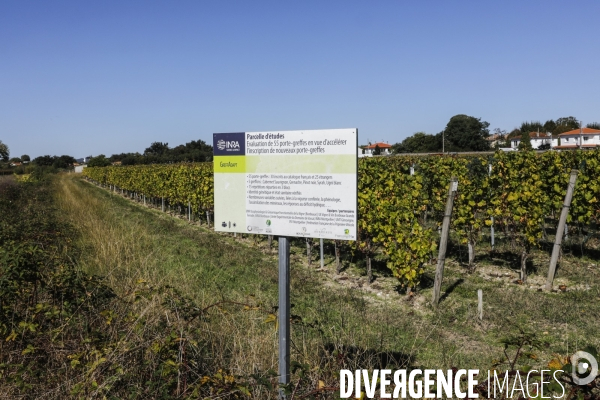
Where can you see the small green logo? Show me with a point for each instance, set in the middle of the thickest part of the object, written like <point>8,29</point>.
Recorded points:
<point>346,231</point>
<point>268,222</point>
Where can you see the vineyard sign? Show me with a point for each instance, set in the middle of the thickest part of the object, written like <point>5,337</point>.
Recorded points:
<point>287,183</point>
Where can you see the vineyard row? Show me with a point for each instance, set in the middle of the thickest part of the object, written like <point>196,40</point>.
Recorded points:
<point>401,200</point>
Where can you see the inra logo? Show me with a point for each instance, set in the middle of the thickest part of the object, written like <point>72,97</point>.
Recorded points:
<point>230,144</point>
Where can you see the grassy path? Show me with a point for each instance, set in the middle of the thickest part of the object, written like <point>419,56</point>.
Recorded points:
<point>135,246</point>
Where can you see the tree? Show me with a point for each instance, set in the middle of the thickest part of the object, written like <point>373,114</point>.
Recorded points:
<point>568,122</point>
<point>4,152</point>
<point>99,161</point>
<point>500,135</point>
<point>525,142</point>
<point>555,127</point>
<point>533,126</point>
<point>514,133</point>
<point>593,125</point>
<point>63,162</point>
<point>377,151</point>
<point>465,133</point>
<point>420,142</point>
<point>549,126</point>
<point>196,150</point>
<point>158,152</point>
<point>157,149</point>
<point>129,160</point>
<point>44,161</point>
<point>25,158</point>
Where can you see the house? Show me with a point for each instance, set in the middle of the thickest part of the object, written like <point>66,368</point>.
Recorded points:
<point>79,168</point>
<point>385,149</point>
<point>495,139</point>
<point>362,152</point>
<point>16,164</point>
<point>537,139</point>
<point>582,138</point>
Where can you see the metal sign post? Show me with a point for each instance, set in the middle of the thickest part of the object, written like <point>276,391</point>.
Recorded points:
<point>284,313</point>
<point>322,261</point>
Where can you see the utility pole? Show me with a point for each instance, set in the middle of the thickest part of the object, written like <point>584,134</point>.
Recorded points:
<point>443,141</point>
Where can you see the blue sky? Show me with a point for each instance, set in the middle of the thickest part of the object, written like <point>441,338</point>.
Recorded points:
<point>91,77</point>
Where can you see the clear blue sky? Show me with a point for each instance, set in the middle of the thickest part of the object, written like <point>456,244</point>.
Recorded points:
<point>91,77</point>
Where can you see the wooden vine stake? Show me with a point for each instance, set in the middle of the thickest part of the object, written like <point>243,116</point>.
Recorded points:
<point>561,228</point>
<point>439,271</point>
<point>492,239</point>
<point>480,304</point>
<point>338,261</point>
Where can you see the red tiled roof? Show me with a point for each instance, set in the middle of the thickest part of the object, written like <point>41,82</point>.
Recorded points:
<point>381,146</point>
<point>580,131</point>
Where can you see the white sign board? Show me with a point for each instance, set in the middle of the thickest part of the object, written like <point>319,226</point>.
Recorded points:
<point>287,183</point>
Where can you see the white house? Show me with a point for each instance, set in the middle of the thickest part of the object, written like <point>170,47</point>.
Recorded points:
<point>79,168</point>
<point>537,139</point>
<point>583,138</point>
<point>385,149</point>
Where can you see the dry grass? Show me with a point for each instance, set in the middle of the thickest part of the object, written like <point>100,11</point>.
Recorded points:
<point>132,253</point>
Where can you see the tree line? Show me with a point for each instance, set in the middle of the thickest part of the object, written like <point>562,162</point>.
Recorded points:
<point>467,133</point>
<point>159,153</point>
<point>156,153</point>
<point>462,133</point>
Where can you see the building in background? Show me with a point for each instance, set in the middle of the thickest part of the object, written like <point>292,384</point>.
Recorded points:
<point>584,138</point>
<point>539,141</point>
<point>385,149</point>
